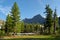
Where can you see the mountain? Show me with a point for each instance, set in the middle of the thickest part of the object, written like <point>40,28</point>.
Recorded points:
<point>36,19</point>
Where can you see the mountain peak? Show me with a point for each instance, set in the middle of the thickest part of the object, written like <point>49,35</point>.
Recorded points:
<point>37,16</point>
<point>36,19</point>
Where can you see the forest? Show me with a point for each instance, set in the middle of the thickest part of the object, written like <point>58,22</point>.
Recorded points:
<point>14,25</point>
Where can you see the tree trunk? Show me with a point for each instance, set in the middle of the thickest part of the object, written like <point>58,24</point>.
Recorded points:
<point>54,28</point>
<point>49,30</point>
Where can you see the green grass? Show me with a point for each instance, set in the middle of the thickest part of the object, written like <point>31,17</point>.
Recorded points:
<point>29,36</point>
<point>34,39</point>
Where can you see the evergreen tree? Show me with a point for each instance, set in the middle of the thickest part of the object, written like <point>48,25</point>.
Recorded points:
<point>55,21</point>
<point>59,21</point>
<point>59,26</point>
<point>48,17</point>
<point>22,26</point>
<point>8,24</point>
<point>16,18</point>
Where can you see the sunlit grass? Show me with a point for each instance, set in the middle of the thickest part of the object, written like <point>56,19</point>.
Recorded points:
<point>29,36</point>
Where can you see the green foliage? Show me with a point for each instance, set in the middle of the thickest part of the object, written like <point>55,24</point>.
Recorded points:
<point>55,19</point>
<point>28,28</point>
<point>8,24</point>
<point>18,27</point>
<point>22,26</point>
<point>2,33</point>
<point>12,23</point>
<point>48,17</point>
<point>15,17</point>
<point>34,28</point>
<point>59,26</point>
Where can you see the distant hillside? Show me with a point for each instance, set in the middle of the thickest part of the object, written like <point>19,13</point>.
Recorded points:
<point>36,19</point>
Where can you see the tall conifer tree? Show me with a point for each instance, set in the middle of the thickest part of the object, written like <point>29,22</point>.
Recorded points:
<point>55,21</point>
<point>48,17</point>
<point>15,13</point>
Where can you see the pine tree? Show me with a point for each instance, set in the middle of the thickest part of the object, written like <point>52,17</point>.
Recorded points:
<point>16,18</point>
<point>59,26</point>
<point>48,17</point>
<point>22,26</point>
<point>55,21</point>
<point>8,24</point>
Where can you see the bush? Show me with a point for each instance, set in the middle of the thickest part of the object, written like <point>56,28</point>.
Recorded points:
<point>2,34</point>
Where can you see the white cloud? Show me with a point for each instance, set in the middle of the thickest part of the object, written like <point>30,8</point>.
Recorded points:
<point>5,9</point>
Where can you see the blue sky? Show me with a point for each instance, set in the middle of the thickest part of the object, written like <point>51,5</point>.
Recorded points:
<point>28,8</point>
